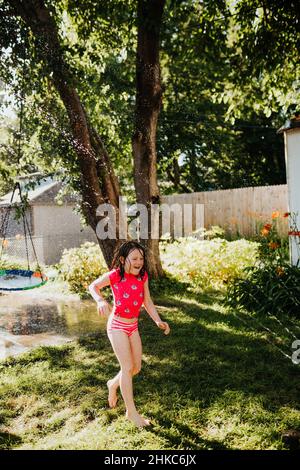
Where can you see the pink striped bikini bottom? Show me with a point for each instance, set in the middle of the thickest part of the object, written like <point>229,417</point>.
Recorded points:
<point>117,325</point>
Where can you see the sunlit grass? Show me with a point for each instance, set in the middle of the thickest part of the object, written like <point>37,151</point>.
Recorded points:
<point>218,381</point>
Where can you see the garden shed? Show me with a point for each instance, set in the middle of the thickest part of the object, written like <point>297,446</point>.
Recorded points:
<point>53,222</point>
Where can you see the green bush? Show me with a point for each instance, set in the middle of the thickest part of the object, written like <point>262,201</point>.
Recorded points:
<point>272,284</point>
<point>204,264</point>
<point>208,264</point>
<point>267,289</point>
<point>80,266</point>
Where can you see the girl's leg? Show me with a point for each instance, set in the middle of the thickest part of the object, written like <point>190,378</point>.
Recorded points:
<point>114,383</point>
<point>112,386</point>
<point>122,349</point>
<point>136,350</point>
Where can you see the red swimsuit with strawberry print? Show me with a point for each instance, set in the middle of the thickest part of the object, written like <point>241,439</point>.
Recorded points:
<point>128,293</point>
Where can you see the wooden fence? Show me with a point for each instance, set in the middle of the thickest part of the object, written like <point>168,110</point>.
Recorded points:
<point>240,212</point>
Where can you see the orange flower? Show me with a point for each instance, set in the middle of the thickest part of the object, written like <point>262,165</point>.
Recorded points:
<point>266,230</point>
<point>275,214</point>
<point>273,245</point>
<point>192,274</point>
<point>280,271</point>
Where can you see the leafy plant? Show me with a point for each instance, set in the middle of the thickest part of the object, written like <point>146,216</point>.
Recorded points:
<point>80,266</point>
<point>272,285</point>
<point>207,264</point>
<point>267,289</point>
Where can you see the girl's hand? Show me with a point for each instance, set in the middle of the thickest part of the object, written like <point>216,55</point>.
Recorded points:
<point>103,308</point>
<point>163,326</point>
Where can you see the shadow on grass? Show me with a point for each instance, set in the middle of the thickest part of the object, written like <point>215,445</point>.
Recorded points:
<point>8,441</point>
<point>56,356</point>
<point>170,287</point>
<point>94,341</point>
<point>209,359</point>
<point>182,436</point>
<point>213,353</point>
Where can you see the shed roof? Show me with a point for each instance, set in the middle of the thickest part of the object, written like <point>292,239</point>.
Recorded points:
<point>292,123</point>
<point>44,193</point>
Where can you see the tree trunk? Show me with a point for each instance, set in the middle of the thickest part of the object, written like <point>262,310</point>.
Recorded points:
<point>98,182</point>
<point>148,104</point>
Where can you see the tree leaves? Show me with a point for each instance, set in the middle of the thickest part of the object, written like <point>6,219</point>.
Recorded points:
<point>229,78</point>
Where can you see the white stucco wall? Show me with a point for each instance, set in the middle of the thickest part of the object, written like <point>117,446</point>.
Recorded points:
<point>55,220</point>
<point>292,159</point>
<point>60,228</point>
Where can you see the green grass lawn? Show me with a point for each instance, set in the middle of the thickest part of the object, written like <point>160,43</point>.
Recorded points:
<point>220,380</point>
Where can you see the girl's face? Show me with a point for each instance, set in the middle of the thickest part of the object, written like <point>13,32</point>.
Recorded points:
<point>133,262</point>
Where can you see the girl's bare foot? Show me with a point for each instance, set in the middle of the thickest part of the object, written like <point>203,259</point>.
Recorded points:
<point>137,419</point>
<point>112,394</point>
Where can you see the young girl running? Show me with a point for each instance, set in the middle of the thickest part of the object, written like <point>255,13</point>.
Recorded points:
<point>129,283</point>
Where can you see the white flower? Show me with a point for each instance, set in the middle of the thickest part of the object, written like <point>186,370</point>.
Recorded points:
<point>127,310</point>
<point>135,302</point>
<point>134,287</point>
<point>118,302</point>
<point>125,295</point>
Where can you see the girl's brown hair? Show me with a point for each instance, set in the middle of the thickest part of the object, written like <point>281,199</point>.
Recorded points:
<point>124,250</point>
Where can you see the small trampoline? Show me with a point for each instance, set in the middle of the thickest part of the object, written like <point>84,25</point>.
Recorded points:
<point>20,279</point>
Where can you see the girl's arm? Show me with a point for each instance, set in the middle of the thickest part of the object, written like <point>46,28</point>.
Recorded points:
<point>150,307</point>
<point>94,288</point>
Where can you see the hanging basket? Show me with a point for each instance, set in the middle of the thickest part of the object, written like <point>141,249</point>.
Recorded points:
<point>20,279</point>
